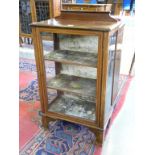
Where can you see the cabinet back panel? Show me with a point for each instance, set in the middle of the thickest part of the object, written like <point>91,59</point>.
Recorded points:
<point>79,43</point>
<point>86,72</point>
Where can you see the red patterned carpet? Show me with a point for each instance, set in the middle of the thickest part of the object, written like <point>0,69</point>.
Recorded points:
<point>27,125</point>
<point>29,119</point>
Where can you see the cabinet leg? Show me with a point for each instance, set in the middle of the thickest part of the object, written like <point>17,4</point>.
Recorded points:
<point>99,138</point>
<point>45,122</point>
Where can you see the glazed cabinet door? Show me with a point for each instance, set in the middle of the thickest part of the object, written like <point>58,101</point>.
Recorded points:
<point>116,82</point>
<point>113,72</point>
<point>71,74</point>
<point>110,76</point>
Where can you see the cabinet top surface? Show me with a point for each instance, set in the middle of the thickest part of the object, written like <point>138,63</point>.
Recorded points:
<point>78,24</point>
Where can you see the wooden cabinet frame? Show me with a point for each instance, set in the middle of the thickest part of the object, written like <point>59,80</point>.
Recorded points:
<point>99,126</point>
<point>77,23</point>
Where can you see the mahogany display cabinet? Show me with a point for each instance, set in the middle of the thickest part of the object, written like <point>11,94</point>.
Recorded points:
<point>86,54</point>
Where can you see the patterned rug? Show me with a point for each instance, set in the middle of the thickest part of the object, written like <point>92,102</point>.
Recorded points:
<point>63,138</point>
<point>30,92</point>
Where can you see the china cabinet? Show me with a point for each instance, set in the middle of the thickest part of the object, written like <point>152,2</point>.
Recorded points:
<point>86,55</point>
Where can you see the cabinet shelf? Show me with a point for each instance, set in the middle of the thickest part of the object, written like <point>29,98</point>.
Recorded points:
<point>73,57</point>
<point>74,84</point>
<point>72,106</point>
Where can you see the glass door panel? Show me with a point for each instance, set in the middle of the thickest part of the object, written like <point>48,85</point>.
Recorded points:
<point>71,87</point>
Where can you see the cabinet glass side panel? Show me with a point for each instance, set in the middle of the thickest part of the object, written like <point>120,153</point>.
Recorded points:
<point>118,79</point>
<point>73,59</point>
<point>111,56</point>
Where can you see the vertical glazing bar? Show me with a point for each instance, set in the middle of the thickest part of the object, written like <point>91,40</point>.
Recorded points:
<point>41,73</point>
<point>105,50</point>
<point>99,76</point>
